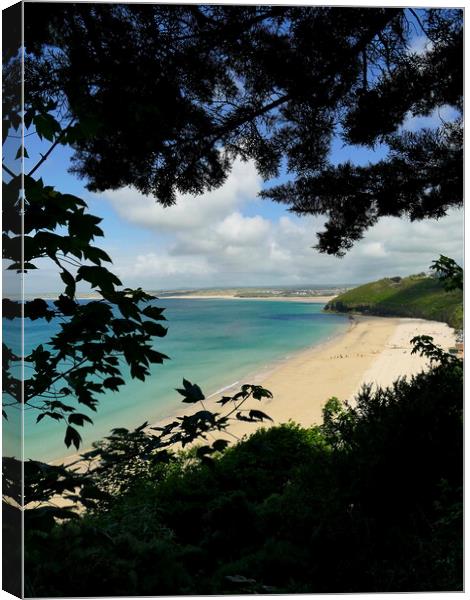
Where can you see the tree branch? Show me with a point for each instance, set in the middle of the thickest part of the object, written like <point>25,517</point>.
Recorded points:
<point>59,376</point>
<point>46,156</point>
<point>421,26</point>
<point>234,122</point>
<point>5,168</point>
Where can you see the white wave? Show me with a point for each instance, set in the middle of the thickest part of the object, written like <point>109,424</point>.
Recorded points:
<point>227,387</point>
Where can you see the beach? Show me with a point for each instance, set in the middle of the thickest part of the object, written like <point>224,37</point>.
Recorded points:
<point>309,299</point>
<point>374,350</point>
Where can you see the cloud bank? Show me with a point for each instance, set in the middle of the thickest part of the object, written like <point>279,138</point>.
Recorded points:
<point>228,237</point>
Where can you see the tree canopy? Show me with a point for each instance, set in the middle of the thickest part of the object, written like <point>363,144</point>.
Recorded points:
<point>369,501</point>
<point>170,95</point>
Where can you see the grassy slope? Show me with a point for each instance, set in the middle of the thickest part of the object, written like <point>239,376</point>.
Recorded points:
<point>414,296</point>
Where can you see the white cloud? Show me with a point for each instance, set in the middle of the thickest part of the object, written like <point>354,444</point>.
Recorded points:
<point>243,230</point>
<point>211,242</point>
<point>164,266</point>
<point>373,249</point>
<point>439,116</point>
<point>282,254</point>
<point>420,44</point>
<point>189,212</point>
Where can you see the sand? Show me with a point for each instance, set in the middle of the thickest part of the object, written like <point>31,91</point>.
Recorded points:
<point>374,350</point>
<point>308,299</point>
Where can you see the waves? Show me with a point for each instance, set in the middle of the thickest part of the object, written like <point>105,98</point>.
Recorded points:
<point>224,389</point>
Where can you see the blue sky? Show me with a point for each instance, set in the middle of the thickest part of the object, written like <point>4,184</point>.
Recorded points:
<point>230,237</point>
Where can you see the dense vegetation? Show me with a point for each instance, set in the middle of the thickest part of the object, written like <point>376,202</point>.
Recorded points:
<point>368,501</point>
<point>415,296</point>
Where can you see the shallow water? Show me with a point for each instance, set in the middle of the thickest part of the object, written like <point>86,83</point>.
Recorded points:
<point>212,342</point>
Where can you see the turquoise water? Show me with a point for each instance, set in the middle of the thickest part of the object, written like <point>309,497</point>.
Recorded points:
<point>214,343</point>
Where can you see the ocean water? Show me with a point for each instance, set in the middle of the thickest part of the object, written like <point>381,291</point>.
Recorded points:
<point>214,343</point>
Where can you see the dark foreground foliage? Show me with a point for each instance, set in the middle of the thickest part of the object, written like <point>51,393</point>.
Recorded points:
<point>165,97</point>
<point>369,501</point>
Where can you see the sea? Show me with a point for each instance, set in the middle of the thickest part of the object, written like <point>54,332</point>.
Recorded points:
<point>217,343</point>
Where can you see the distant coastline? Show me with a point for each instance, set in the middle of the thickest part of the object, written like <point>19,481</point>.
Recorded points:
<point>235,294</point>
<point>314,299</point>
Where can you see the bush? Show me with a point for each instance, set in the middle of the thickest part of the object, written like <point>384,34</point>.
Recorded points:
<point>369,501</point>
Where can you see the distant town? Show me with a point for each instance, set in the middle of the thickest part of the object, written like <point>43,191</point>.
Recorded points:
<point>260,292</point>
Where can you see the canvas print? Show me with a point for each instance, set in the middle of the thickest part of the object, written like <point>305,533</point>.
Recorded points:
<point>233,299</point>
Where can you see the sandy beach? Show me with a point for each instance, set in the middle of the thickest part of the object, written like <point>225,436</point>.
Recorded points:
<point>374,350</point>
<point>310,299</point>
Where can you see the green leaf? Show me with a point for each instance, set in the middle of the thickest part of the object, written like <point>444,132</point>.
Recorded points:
<point>46,126</point>
<point>66,305</point>
<point>141,427</point>
<point>219,445</point>
<point>225,400</point>
<point>258,415</point>
<point>21,152</point>
<point>113,383</point>
<point>28,118</point>
<point>203,451</point>
<point>38,309</point>
<point>98,277</point>
<point>96,255</point>
<point>156,357</point>
<point>260,392</point>
<point>155,313</point>
<point>138,372</point>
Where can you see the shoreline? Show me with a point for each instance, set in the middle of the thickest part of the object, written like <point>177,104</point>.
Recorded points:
<point>315,299</point>
<point>372,350</point>
<point>309,299</point>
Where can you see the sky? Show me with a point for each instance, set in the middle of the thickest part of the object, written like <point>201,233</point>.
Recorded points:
<point>231,238</point>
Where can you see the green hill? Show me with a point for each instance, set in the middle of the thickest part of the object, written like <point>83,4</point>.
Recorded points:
<point>414,296</point>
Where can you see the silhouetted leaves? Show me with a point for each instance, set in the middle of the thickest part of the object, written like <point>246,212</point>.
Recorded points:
<point>72,436</point>
<point>375,490</point>
<point>258,415</point>
<point>79,419</point>
<point>449,272</point>
<point>98,277</point>
<point>191,392</point>
<point>270,84</point>
<point>46,126</point>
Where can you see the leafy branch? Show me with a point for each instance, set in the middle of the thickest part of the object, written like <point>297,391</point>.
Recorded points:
<point>83,356</point>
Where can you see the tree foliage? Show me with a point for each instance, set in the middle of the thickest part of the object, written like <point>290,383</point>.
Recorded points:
<point>169,96</point>
<point>449,272</point>
<point>94,341</point>
<point>368,501</point>
<point>165,98</point>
